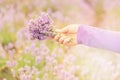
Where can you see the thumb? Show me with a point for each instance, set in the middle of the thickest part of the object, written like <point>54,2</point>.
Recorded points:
<point>63,30</point>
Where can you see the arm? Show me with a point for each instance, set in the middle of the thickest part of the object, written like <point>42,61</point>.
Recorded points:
<point>98,38</point>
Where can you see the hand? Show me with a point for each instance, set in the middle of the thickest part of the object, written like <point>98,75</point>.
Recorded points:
<point>67,35</point>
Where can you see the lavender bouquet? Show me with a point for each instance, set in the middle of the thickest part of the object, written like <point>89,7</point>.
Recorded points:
<point>41,28</point>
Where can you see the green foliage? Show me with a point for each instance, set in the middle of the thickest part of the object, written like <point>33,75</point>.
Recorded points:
<point>5,72</point>
<point>50,44</point>
<point>6,35</point>
<point>2,62</point>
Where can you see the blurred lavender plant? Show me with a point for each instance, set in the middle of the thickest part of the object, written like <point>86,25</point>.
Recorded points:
<point>41,28</point>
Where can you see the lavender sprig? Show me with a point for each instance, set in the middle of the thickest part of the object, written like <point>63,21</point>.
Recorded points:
<point>41,28</point>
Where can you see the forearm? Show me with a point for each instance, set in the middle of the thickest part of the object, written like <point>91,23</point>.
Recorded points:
<point>98,38</point>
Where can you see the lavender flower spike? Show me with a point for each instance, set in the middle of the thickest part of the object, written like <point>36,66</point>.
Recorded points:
<point>41,28</point>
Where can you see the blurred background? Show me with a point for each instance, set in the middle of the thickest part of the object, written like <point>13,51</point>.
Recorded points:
<point>22,59</point>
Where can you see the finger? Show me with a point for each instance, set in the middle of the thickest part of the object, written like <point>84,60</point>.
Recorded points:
<point>61,40</point>
<point>72,43</point>
<point>57,37</point>
<point>69,42</point>
<point>66,41</point>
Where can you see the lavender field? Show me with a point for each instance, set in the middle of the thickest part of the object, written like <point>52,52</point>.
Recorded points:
<point>24,59</point>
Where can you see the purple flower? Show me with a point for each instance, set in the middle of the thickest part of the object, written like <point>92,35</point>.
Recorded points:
<point>41,28</point>
<point>11,63</point>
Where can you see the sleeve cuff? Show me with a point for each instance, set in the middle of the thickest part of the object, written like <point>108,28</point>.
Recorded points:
<point>82,35</point>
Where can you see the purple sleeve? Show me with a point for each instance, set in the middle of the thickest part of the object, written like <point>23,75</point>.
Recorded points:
<point>98,38</point>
